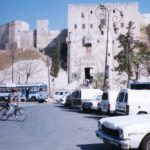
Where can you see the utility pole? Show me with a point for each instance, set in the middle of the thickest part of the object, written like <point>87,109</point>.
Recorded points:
<point>49,62</point>
<point>68,56</point>
<point>103,13</point>
<point>12,56</point>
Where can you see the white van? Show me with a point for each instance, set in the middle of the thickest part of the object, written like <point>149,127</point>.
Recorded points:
<point>81,95</point>
<point>132,102</point>
<point>91,104</point>
<point>64,98</point>
<point>60,93</point>
<point>108,102</point>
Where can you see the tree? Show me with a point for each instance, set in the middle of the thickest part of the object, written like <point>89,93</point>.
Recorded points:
<point>133,62</point>
<point>124,57</point>
<point>53,51</point>
<point>26,69</point>
<point>3,75</point>
<point>63,55</point>
<point>57,50</point>
<point>58,53</point>
<point>98,80</point>
<point>142,56</point>
<point>12,56</point>
<point>141,60</point>
<point>148,31</point>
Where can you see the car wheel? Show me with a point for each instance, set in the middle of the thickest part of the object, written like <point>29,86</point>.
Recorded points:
<point>83,109</point>
<point>33,99</point>
<point>145,145</point>
<point>41,101</point>
<point>142,113</point>
<point>2,99</point>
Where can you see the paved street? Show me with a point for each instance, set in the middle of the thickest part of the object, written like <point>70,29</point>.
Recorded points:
<point>52,127</point>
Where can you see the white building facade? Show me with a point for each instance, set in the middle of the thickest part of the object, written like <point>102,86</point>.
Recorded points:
<point>93,29</point>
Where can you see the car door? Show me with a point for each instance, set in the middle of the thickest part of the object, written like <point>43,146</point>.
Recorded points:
<point>104,102</point>
<point>121,104</point>
<point>77,100</point>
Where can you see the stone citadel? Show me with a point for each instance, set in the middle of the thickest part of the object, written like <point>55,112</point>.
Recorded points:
<point>92,28</point>
<point>17,34</point>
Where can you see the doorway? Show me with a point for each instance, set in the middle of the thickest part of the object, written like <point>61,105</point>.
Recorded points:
<point>88,77</point>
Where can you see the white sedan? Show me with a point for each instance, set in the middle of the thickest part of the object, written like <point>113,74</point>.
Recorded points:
<point>126,132</point>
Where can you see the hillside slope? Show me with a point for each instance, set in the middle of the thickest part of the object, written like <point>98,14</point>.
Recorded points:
<point>31,63</point>
<point>7,56</point>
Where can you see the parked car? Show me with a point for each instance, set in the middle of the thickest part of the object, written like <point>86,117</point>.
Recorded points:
<point>64,98</point>
<point>139,85</point>
<point>131,102</point>
<point>81,95</point>
<point>60,93</point>
<point>68,101</point>
<point>108,102</point>
<point>76,99</point>
<point>126,132</point>
<point>91,104</point>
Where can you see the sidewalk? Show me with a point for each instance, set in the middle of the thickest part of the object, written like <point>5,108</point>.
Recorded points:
<point>50,100</point>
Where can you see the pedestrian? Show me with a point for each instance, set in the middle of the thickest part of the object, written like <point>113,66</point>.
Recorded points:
<point>27,94</point>
<point>19,94</point>
<point>12,101</point>
<point>13,95</point>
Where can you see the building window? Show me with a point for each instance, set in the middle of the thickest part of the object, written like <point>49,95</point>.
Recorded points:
<point>91,12</point>
<point>75,26</point>
<point>91,25</point>
<point>115,27</point>
<point>83,26</point>
<point>88,45</point>
<point>103,22</point>
<point>122,25</point>
<point>82,15</point>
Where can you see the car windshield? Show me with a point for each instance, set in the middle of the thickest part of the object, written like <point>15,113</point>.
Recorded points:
<point>105,96</point>
<point>99,97</point>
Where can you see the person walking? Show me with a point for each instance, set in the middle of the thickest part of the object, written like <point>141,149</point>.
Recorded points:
<point>12,101</point>
<point>19,94</point>
<point>27,94</point>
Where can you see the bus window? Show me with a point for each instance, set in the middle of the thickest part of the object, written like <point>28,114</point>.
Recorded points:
<point>140,86</point>
<point>40,89</point>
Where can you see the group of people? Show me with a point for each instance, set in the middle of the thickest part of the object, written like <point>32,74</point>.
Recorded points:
<point>16,95</point>
<point>14,98</point>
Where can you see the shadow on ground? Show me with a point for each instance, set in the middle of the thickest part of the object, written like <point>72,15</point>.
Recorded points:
<point>96,146</point>
<point>96,116</point>
<point>68,109</point>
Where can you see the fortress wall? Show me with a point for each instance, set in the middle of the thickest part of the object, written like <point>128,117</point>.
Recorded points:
<point>4,30</point>
<point>42,33</point>
<point>27,39</point>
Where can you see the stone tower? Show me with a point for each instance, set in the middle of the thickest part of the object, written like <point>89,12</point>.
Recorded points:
<point>42,34</point>
<point>15,30</point>
<point>91,30</point>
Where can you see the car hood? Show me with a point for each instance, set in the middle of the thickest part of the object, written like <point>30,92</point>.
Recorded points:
<point>126,121</point>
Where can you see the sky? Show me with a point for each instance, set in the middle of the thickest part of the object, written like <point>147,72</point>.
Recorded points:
<point>53,10</point>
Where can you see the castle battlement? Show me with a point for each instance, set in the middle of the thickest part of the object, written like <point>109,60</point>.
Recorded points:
<point>17,34</point>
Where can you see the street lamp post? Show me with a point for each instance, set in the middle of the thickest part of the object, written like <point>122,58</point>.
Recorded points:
<point>103,13</point>
<point>49,62</point>
<point>68,56</point>
<point>12,55</point>
<point>12,68</point>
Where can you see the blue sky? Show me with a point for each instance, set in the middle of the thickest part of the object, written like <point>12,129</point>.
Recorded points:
<point>53,10</point>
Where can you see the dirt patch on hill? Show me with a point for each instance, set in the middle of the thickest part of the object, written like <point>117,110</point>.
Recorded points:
<point>8,57</point>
